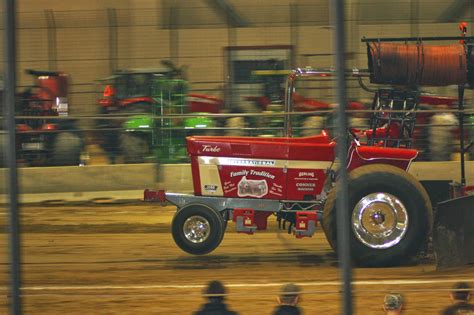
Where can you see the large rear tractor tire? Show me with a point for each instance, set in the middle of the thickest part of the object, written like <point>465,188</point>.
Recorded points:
<point>390,216</point>
<point>67,149</point>
<point>198,229</point>
<point>134,147</point>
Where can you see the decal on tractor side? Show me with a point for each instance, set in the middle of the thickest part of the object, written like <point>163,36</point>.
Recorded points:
<point>211,188</point>
<point>304,182</point>
<point>247,162</point>
<point>284,178</point>
<point>241,181</point>
<point>210,148</point>
<point>252,188</point>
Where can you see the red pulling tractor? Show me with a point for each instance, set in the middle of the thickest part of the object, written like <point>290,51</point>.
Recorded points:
<point>248,179</point>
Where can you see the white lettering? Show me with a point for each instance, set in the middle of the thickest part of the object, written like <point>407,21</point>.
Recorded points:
<point>262,173</point>
<point>305,185</point>
<point>246,162</point>
<point>209,148</point>
<point>239,173</point>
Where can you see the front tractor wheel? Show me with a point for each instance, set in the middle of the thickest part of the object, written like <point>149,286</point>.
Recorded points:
<point>390,215</point>
<point>197,229</point>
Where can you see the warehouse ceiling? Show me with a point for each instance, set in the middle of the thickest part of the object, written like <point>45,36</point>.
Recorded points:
<point>256,13</point>
<point>242,13</point>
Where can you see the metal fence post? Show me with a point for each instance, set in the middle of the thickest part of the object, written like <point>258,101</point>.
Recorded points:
<point>343,223</point>
<point>9,102</point>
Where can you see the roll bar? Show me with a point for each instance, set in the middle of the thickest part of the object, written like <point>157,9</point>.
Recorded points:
<point>310,72</point>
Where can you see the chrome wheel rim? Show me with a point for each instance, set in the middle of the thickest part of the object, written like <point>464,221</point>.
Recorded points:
<point>196,229</point>
<point>380,220</point>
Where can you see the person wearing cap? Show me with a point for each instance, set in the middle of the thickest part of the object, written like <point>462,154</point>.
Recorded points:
<point>288,300</point>
<point>393,304</point>
<point>215,294</point>
<point>460,296</point>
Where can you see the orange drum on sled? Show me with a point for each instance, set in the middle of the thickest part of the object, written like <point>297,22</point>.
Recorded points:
<point>417,64</point>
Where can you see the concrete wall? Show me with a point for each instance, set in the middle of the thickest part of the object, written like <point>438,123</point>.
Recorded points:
<point>170,177</point>
<point>39,180</point>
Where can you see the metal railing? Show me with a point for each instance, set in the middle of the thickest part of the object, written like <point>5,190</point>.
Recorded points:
<point>436,136</point>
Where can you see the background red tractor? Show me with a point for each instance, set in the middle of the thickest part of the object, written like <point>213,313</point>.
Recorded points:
<point>42,139</point>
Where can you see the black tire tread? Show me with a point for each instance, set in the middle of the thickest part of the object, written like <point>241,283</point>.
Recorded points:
<point>67,149</point>
<point>134,148</point>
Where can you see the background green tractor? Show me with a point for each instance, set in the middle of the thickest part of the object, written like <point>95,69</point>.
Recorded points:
<point>147,103</point>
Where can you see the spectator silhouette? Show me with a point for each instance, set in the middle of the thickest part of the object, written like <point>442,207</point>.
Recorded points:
<point>288,300</point>
<point>215,294</point>
<point>460,296</point>
<point>393,304</point>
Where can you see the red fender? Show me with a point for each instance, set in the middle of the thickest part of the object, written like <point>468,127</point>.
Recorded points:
<point>365,155</point>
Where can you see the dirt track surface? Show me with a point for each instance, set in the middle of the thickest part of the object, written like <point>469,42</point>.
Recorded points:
<point>121,259</point>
